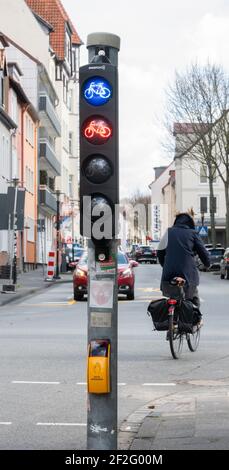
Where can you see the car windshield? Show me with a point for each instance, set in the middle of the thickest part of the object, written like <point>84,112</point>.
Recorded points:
<point>146,248</point>
<point>78,251</point>
<point>83,260</point>
<point>122,259</point>
<point>216,252</point>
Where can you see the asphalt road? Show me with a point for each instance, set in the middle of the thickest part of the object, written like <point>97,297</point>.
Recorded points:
<point>43,348</point>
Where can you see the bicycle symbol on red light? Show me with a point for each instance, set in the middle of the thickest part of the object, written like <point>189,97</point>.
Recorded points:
<point>97,128</point>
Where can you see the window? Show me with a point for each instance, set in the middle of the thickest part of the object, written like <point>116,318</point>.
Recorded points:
<point>203,174</point>
<point>1,90</point>
<point>14,107</point>
<point>65,89</point>
<point>74,61</point>
<point>71,143</point>
<point>68,48</point>
<point>58,72</point>
<point>29,130</point>
<point>29,174</point>
<point>71,186</point>
<point>205,204</point>
<point>70,100</point>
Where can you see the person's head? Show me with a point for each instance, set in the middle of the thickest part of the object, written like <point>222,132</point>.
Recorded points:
<point>186,218</point>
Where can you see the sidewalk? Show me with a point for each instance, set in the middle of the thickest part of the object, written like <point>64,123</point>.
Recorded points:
<point>31,282</point>
<point>188,421</point>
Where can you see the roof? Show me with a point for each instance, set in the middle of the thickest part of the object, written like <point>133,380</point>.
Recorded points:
<point>24,99</point>
<point>162,173</point>
<point>53,12</point>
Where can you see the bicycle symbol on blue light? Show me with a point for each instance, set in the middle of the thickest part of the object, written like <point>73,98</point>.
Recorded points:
<point>97,91</point>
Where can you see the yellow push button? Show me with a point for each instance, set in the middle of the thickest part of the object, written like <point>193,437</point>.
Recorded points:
<point>99,366</point>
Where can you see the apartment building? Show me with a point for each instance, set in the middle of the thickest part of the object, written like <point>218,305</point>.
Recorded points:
<point>7,129</point>
<point>163,200</point>
<point>64,45</point>
<point>45,46</point>
<point>192,187</point>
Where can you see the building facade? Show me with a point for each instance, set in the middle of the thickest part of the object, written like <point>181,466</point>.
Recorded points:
<point>64,45</point>
<point>163,197</point>
<point>192,190</point>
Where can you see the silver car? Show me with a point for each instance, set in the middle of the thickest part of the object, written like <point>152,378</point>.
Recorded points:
<point>224,265</point>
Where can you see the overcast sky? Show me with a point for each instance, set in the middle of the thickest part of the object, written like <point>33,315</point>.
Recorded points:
<point>157,37</point>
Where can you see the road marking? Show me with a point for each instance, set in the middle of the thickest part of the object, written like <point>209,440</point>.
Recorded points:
<point>149,289</point>
<point>121,384</point>
<point>71,302</point>
<point>5,423</point>
<point>61,424</point>
<point>34,382</point>
<point>159,384</point>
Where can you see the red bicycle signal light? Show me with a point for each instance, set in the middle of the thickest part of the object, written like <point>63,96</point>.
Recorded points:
<point>97,130</point>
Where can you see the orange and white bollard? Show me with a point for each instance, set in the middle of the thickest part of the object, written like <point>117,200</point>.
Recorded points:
<point>51,266</point>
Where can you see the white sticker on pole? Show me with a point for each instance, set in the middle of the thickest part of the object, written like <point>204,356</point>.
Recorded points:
<point>101,294</point>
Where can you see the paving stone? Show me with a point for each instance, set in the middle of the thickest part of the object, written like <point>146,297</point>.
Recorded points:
<point>149,427</point>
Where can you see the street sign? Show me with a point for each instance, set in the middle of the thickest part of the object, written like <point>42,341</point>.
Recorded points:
<point>202,230</point>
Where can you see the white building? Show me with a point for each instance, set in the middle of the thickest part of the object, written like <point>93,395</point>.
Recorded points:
<point>192,190</point>
<point>162,202</point>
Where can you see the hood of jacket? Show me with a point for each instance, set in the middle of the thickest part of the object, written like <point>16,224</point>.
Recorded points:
<point>184,219</point>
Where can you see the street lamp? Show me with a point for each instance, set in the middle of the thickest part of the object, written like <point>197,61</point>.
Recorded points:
<point>57,193</point>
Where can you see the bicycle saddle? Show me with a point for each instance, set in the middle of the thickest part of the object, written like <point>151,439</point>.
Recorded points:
<point>177,281</point>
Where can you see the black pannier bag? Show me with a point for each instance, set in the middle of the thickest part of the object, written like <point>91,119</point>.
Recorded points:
<point>158,310</point>
<point>186,315</point>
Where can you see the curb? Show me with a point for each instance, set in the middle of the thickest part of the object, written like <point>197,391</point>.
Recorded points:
<point>130,427</point>
<point>34,290</point>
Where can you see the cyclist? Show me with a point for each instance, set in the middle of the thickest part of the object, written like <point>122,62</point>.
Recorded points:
<point>176,254</point>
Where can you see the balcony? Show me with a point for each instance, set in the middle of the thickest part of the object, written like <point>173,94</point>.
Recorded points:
<point>48,158</point>
<point>48,116</point>
<point>47,199</point>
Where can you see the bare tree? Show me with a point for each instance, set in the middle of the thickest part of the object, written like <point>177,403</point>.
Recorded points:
<point>196,103</point>
<point>137,212</point>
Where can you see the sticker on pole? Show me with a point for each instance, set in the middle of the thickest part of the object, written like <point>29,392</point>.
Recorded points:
<point>101,294</point>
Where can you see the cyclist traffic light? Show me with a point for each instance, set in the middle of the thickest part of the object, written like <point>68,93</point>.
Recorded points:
<point>99,169</point>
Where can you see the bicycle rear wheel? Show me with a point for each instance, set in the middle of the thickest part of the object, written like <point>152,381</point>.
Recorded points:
<point>175,339</point>
<point>193,340</point>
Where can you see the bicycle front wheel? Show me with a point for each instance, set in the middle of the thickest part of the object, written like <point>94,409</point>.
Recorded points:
<point>193,340</point>
<point>175,339</point>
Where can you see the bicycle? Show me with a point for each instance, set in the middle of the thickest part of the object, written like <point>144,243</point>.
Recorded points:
<point>175,336</point>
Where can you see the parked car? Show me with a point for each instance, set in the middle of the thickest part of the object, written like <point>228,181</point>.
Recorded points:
<point>216,255</point>
<point>126,277</point>
<point>132,252</point>
<point>224,265</point>
<point>145,253</point>
<point>73,255</point>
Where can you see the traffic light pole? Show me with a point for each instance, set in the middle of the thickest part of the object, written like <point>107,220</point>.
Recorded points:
<point>102,428</point>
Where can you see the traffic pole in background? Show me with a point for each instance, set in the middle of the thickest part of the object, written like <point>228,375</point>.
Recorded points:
<point>99,194</point>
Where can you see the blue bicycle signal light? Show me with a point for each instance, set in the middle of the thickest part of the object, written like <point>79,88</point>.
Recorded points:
<point>97,91</point>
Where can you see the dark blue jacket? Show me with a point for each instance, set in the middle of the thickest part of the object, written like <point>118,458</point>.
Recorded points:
<point>177,249</point>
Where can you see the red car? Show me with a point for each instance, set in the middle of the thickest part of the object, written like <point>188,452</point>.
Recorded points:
<point>126,277</point>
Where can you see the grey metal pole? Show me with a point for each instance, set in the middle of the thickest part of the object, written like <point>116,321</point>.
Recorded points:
<point>102,427</point>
